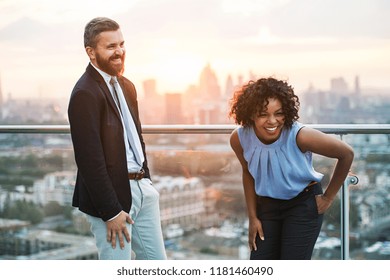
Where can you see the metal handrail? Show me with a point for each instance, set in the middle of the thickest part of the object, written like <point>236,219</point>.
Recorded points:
<point>339,129</point>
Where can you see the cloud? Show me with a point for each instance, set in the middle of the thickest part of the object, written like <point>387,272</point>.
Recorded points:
<point>56,11</point>
<point>25,30</point>
<point>331,18</point>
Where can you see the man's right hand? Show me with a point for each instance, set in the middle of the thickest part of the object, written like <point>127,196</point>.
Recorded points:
<point>117,227</point>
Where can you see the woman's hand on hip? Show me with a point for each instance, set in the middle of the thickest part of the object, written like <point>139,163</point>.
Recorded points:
<point>323,203</point>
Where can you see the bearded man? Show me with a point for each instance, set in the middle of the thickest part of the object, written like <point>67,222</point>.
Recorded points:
<point>113,185</point>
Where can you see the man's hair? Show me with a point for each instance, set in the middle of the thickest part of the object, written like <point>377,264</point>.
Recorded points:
<point>97,26</point>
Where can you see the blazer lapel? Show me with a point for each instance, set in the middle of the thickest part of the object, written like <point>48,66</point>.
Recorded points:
<point>103,86</point>
<point>110,99</point>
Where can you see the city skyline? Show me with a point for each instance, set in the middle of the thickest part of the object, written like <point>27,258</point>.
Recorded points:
<point>306,42</point>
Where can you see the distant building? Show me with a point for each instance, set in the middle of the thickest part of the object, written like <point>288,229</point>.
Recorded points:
<point>229,87</point>
<point>149,89</point>
<point>209,115</point>
<point>339,105</point>
<point>338,85</point>
<point>17,241</point>
<point>34,111</point>
<point>151,106</point>
<point>208,84</point>
<point>357,86</point>
<point>183,201</point>
<point>19,193</point>
<point>8,244</point>
<point>57,186</point>
<point>201,103</point>
<point>212,106</point>
<point>191,103</point>
<point>173,108</point>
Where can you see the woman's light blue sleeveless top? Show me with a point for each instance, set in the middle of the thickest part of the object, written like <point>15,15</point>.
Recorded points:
<point>280,169</point>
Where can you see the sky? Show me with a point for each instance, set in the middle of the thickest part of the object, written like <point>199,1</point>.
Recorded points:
<point>307,42</point>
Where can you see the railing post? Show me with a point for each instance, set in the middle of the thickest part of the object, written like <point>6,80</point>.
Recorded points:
<point>350,180</point>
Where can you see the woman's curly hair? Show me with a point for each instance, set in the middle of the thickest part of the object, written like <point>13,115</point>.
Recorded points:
<point>252,98</point>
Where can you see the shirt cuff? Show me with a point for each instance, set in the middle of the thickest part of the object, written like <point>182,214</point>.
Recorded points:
<point>113,217</point>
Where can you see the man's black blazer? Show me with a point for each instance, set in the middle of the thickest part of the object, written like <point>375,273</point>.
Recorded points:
<point>102,186</point>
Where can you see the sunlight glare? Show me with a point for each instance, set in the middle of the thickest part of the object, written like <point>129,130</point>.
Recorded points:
<point>178,71</point>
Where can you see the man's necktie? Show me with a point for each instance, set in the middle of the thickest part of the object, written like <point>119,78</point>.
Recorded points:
<point>116,99</point>
<point>131,130</point>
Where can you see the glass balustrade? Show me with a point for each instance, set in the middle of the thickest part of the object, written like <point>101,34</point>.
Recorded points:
<point>202,203</point>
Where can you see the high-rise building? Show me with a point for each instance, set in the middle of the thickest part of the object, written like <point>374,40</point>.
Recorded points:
<point>208,84</point>
<point>173,108</point>
<point>149,88</point>
<point>338,85</point>
<point>229,87</point>
<point>151,106</point>
<point>357,86</point>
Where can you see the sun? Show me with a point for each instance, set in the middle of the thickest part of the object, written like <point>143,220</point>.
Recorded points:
<point>171,64</point>
<point>176,73</point>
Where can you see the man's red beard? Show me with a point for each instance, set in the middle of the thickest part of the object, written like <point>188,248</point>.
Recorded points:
<point>107,67</point>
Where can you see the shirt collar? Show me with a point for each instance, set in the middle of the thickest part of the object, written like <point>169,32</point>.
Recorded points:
<point>105,76</point>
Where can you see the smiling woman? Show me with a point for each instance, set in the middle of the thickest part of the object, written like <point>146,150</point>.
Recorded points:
<point>283,192</point>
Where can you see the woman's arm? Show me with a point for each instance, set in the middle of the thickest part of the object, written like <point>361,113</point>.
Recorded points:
<point>249,191</point>
<point>309,139</point>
